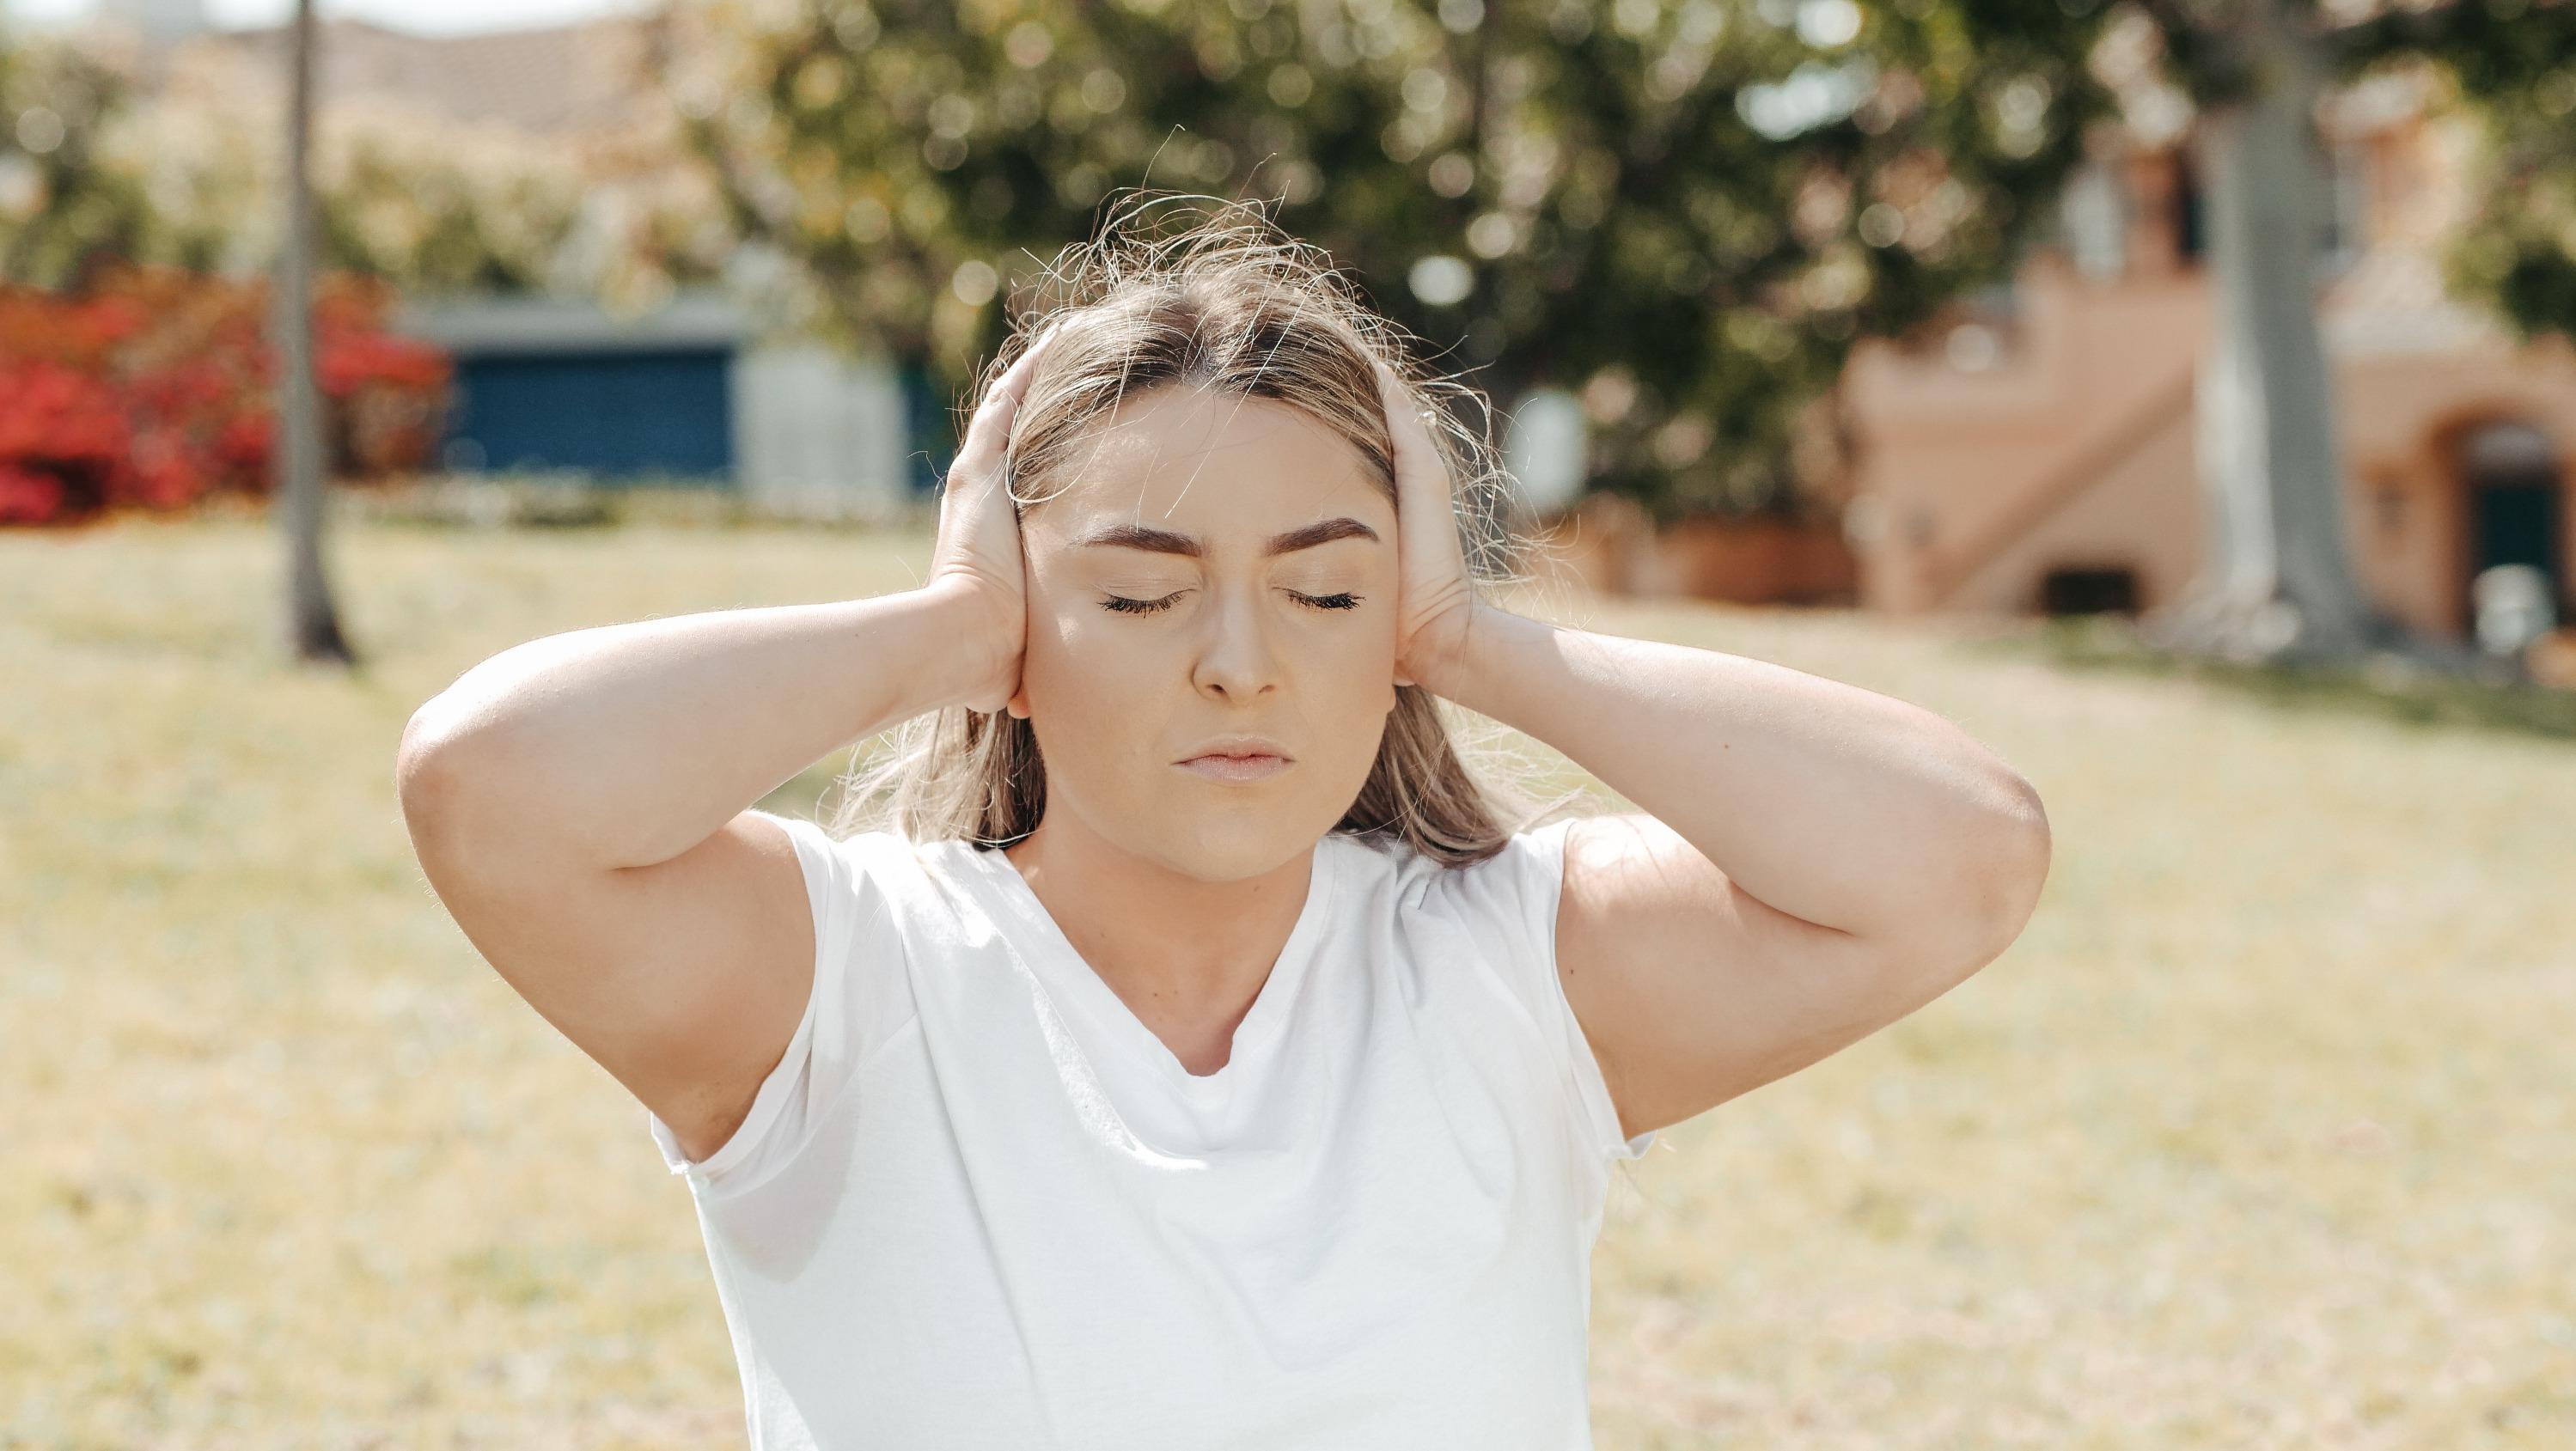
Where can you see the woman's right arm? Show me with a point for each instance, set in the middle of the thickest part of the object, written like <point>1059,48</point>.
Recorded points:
<point>579,804</point>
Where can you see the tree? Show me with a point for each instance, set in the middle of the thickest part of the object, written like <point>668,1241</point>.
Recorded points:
<point>2277,577</point>
<point>2278,583</point>
<point>313,621</point>
<point>1686,211</point>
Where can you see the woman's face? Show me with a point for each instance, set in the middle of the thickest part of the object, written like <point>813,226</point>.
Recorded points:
<point>1177,501</point>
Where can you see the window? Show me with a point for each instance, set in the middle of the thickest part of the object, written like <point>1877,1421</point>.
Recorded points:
<point>2342,211</point>
<point>2093,217</point>
<point>2190,222</point>
<point>2089,589</point>
<point>2344,223</point>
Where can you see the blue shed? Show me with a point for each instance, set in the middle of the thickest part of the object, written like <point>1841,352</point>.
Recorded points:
<point>680,394</point>
<point>614,412</point>
<point>545,383</point>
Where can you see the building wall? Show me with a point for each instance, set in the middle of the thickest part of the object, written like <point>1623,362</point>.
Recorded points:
<point>2403,419</point>
<point>2074,443</point>
<point>822,435</point>
<point>1959,468</point>
<point>1976,492</point>
<point>684,391</point>
<point>2143,514</point>
<point>1608,543</point>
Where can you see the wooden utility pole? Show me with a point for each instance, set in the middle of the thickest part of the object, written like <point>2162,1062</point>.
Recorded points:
<point>313,623</point>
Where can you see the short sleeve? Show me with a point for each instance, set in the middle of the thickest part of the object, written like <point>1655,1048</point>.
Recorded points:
<point>860,997</point>
<point>1512,898</point>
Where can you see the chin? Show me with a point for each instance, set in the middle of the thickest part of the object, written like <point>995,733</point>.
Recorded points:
<point>1227,847</point>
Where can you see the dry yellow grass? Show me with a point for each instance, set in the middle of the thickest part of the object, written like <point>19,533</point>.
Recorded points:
<point>2263,1135</point>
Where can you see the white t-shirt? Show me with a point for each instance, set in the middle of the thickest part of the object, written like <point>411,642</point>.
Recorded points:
<point>978,1204</point>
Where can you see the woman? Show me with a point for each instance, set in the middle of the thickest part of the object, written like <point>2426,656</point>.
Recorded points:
<point>1189,1056</point>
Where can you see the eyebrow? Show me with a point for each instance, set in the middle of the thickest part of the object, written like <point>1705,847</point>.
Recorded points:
<point>1165,541</point>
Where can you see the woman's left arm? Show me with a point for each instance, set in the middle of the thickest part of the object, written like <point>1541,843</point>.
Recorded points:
<point>1813,861</point>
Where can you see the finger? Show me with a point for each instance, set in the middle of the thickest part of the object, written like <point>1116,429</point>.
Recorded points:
<point>1404,421</point>
<point>1421,475</point>
<point>990,434</point>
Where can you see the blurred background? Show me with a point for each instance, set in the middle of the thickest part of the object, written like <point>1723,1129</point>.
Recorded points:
<point>2178,394</point>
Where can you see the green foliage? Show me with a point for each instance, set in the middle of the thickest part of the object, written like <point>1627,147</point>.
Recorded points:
<point>2516,66</point>
<point>1687,211</point>
<point>94,170</point>
<point>62,212</point>
<point>2510,63</point>
<point>2517,250</point>
<point>401,206</point>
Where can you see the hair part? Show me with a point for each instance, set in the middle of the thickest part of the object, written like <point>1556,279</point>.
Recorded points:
<point>1231,304</point>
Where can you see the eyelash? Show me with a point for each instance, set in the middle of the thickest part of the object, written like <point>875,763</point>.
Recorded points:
<point>1126,606</point>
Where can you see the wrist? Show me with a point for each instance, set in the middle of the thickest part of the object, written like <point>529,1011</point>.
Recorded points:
<point>976,639</point>
<point>1451,661</point>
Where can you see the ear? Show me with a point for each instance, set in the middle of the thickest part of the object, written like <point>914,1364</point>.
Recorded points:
<point>1018,704</point>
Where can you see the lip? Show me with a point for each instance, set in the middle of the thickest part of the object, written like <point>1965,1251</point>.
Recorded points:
<point>1237,758</point>
<point>1236,768</point>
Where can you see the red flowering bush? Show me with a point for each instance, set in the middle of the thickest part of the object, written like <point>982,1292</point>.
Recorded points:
<point>157,387</point>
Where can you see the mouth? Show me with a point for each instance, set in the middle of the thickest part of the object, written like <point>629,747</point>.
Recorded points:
<point>1247,766</point>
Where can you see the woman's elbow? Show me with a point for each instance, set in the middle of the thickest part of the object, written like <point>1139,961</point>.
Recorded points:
<point>446,762</point>
<point>425,780</point>
<point>2011,865</point>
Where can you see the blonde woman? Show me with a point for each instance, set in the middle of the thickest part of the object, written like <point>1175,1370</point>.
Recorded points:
<point>1178,1046</point>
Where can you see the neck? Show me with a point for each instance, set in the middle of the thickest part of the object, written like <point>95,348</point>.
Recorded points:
<point>1186,954</point>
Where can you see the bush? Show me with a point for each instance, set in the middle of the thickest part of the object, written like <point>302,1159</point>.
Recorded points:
<point>157,387</point>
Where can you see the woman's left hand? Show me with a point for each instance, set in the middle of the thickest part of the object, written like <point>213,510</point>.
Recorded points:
<point>1434,603</point>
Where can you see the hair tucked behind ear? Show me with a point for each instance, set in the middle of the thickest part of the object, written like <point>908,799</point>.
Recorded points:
<point>1231,304</point>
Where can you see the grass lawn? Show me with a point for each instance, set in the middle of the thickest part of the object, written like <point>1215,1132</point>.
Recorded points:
<point>2263,1135</point>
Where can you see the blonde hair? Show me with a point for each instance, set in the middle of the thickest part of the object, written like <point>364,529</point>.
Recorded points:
<point>1232,304</point>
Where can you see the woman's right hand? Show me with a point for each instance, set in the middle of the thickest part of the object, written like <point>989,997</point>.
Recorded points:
<point>977,556</point>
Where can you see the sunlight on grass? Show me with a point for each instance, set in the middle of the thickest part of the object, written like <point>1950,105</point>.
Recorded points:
<point>2263,1135</point>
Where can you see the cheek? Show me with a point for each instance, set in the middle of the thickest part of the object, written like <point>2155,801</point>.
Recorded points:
<point>1364,648</point>
<point>1359,689</point>
<point>1086,647</point>
<point>1090,683</point>
<point>1058,667</point>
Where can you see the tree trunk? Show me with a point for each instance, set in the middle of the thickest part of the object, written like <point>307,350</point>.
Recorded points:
<point>313,623</point>
<point>2277,579</point>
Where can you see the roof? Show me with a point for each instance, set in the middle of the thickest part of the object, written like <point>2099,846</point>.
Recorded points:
<point>2394,301</point>
<point>518,326</point>
<point>557,79</point>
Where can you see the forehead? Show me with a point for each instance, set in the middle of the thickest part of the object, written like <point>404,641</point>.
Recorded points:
<point>1221,466</point>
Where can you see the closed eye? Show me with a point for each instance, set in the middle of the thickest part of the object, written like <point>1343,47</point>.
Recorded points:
<point>1125,606</point>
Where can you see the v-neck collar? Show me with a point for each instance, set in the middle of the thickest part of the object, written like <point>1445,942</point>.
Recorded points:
<point>1065,969</point>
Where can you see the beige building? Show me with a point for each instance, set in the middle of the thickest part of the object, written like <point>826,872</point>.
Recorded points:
<point>2039,451</point>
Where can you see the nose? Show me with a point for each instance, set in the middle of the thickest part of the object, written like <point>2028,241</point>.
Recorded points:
<point>1235,658</point>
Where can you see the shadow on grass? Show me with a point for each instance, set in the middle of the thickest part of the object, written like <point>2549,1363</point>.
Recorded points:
<point>2390,688</point>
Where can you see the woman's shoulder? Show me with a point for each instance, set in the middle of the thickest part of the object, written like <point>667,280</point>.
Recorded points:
<point>877,867</point>
<point>1538,839</point>
<point>869,843</point>
<point>1501,879</point>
